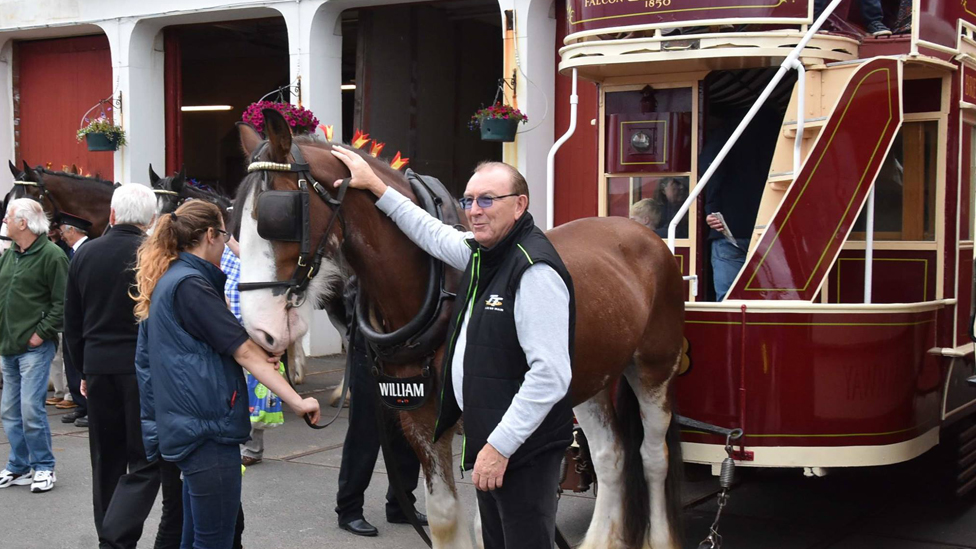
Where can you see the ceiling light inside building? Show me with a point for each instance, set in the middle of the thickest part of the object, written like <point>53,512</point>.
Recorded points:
<point>205,108</point>
<point>347,87</point>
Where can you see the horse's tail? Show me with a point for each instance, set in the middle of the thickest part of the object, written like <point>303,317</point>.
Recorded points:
<point>636,497</point>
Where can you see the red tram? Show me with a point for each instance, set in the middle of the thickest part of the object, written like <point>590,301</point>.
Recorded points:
<point>844,338</point>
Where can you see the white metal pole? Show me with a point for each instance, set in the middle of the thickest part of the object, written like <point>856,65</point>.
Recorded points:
<point>801,114</point>
<point>788,63</point>
<point>551,159</point>
<point>869,248</point>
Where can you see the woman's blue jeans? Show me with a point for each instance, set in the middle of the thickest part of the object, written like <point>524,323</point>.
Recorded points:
<point>22,408</point>
<point>211,495</point>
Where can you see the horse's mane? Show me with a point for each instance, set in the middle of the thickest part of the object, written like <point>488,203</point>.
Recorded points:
<point>90,179</point>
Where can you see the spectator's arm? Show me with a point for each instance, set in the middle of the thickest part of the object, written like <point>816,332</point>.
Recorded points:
<point>49,326</point>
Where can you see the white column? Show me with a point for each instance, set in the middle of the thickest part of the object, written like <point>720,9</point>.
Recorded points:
<point>315,54</point>
<point>535,29</point>
<point>137,73</point>
<point>6,115</point>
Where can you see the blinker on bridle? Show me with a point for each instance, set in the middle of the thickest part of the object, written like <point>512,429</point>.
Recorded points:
<point>270,220</point>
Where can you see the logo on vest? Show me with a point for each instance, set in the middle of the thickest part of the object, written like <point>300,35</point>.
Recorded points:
<point>494,303</point>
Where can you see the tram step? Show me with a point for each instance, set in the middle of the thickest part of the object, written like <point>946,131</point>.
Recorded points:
<point>967,448</point>
<point>966,488</point>
<point>965,460</point>
<point>968,434</point>
<point>966,474</point>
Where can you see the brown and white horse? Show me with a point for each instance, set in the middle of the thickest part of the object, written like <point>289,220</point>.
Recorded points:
<point>630,319</point>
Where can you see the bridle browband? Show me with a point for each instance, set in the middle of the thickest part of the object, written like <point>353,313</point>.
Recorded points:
<point>296,287</point>
<point>44,193</point>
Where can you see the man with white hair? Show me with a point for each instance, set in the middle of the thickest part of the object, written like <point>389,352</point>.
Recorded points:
<point>32,281</point>
<point>100,335</point>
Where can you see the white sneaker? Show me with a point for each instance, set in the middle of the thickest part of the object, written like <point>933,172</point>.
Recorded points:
<point>12,479</point>
<point>43,481</point>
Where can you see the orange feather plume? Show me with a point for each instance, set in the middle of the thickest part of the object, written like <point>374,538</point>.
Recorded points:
<point>359,139</point>
<point>398,162</point>
<point>327,130</point>
<point>376,148</point>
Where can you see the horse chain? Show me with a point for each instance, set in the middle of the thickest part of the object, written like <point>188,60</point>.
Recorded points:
<point>714,539</point>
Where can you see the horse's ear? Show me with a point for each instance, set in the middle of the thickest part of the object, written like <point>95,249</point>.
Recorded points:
<point>15,170</point>
<point>30,174</point>
<point>74,169</point>
<point>250,138</point>
<point>153,178</point>
<point>27,168</point>
<point>179,181</point>
<point>279,134</point>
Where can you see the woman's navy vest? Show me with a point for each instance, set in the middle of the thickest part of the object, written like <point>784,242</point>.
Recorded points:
<point>494,362</point>
<point>197,393</point>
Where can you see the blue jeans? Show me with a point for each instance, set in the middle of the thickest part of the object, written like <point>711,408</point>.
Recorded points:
<point>870,10</point>
<point>211,495</point>
<point>727,261</point>
<point>22,407</point>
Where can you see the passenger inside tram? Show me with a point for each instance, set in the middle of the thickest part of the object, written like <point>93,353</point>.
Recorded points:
<point>878,17</point>
<point>736,188</point>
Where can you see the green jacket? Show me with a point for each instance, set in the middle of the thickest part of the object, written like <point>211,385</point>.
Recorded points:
<point>31,294</point>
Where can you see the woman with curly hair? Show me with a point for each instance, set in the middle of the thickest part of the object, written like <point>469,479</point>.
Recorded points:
<point>188,362</point>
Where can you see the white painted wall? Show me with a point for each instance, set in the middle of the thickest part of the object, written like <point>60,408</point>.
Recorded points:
<point>315,43</point>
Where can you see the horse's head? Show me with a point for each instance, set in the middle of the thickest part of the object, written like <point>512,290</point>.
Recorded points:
<point>168,190</point>
<point>288,241</point>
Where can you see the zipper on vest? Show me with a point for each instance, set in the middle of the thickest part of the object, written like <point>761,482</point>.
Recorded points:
<point>476,276</point>
<point>472,290</point>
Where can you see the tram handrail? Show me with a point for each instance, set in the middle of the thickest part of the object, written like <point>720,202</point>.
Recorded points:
<point>791,61</point>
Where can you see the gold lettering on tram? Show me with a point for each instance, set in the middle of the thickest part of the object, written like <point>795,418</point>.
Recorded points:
<point>653,4</point>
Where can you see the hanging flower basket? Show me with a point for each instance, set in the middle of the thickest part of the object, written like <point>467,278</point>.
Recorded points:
<point>101,134</point>
<point>498,122</point>
<point>98,141</point>
<point>300,119</point>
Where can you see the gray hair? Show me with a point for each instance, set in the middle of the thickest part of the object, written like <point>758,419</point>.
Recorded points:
<point>134,204</point>
<point>30,211</point>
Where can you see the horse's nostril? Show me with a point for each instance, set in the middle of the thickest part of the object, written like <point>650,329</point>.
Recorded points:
<point>269,339</point>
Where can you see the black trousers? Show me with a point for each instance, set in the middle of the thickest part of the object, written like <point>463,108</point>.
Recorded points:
<point>522,513</point>
<point>124,483</point>
<point>362,446</point>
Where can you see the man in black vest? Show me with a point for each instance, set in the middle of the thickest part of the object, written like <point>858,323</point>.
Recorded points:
<point>508,366</point>
<point>73,231</point>
<point>100,335</point>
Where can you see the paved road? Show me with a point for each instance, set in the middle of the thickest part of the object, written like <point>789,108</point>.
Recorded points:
<point>289,500</point>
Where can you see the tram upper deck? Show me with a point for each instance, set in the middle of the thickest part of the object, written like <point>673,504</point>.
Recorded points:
<point>617,38</point>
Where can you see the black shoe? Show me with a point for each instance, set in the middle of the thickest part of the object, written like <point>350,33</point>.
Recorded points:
<point>82,422</point>
<point>400,519</point>
<point>70,417</point>
<point>360,527</point>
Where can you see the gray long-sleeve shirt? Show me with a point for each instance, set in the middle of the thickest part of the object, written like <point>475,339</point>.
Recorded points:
<point>541,322</point>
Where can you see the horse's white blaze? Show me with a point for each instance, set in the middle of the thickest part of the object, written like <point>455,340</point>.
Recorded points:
<point>606,453</point>
<point>263,312</point>
<point>443,514</point>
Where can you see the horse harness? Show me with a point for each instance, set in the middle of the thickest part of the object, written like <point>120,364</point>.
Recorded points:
<point>44,193</point>
<point>284,216</point>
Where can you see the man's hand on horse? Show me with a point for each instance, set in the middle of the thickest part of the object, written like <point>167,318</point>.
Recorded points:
<point>363,177</point>
<point>489,469</point>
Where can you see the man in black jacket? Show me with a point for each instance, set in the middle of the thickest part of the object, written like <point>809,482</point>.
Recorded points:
<point>100,335</point>
<point>73,234</point>
<point>508,365</point>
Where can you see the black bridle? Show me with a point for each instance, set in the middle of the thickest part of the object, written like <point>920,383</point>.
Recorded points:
<point>296,287</point>
<point>44,193</point>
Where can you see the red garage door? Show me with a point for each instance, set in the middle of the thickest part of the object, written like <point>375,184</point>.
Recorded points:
<point>56,82</point>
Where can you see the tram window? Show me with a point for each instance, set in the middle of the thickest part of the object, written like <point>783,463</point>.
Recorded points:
<point>968,184</point>
<point>652,201</point>
<point>904,203</point>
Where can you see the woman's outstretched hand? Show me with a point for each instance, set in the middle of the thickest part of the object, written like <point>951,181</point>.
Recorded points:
<point>363,176</point>
<point>308,407</point>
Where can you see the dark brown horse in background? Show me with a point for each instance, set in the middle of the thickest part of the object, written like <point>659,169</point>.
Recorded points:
<point>630,320</point>
<point>87,197</point>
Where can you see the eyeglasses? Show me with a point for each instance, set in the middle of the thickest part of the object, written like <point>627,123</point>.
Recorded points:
<point>483,201</point>
<point>224,233</point>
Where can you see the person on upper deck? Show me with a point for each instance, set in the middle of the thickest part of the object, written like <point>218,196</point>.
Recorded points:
<point>871,11</point>
<point>508,366</point>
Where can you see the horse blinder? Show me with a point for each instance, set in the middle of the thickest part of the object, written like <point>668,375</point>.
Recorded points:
<point>281,215</point>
